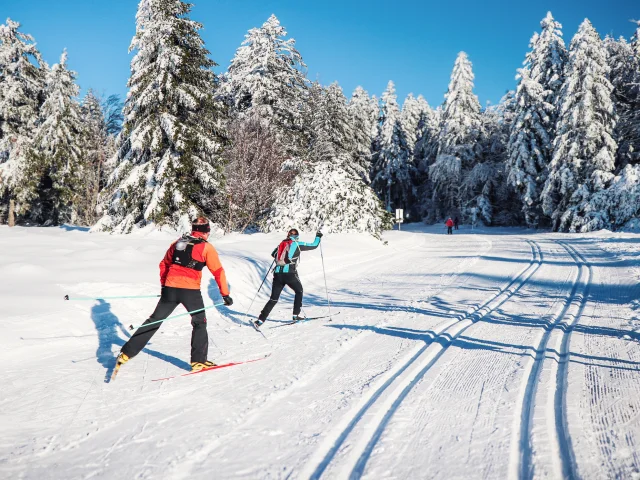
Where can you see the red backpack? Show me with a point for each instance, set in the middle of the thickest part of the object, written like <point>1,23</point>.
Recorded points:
<point>282,257</point>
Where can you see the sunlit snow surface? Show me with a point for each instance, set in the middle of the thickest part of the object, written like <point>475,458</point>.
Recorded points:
<point>484,354</point>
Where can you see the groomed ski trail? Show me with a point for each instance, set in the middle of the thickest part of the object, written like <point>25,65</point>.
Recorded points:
<point>552,349</point>
<point>401,380</point>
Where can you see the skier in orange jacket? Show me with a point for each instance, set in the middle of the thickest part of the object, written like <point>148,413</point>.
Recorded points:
<point>180,277</point>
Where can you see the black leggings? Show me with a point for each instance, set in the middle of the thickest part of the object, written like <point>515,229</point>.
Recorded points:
<point>172,297</point>
<point>280,280</point>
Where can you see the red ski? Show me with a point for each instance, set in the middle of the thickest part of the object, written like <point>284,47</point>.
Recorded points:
<point>224,365</point>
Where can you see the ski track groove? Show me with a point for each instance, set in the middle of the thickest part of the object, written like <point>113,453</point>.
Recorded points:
<point>565,446</point>
<point>447,332</point>
<point>520,464</point>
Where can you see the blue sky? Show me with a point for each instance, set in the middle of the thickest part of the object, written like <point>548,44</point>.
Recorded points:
<point>356,42</point>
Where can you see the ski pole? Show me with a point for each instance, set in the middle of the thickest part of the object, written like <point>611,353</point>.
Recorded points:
<point>260,287</point>
<point>66,297</point>
<point>131,327</point>
<point>325,282</point>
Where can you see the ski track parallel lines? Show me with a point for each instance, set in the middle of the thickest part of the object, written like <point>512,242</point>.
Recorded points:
<point>435,350</point>
<point>520,465</point>
<point>439,349</point>
<point>567,456</point>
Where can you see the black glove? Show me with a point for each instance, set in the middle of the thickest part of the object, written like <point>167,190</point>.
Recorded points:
<point>319,234</point>
<point>228,301</point>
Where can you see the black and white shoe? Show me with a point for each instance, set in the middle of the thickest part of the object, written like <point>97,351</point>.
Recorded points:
<point>258,323</point>
<point>299,318</point>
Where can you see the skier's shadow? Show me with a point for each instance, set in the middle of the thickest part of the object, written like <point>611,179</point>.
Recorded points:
<point>107,325</point>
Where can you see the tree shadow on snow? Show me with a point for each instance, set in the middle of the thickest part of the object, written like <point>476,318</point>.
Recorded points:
<point>108,326</point>
<point>471,343</point>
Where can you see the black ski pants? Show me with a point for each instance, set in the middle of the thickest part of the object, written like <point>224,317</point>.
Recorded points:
<point>281,280</point>
<point>449,230</point>
<point>172,297</point>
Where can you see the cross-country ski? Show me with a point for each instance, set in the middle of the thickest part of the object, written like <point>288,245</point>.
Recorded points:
<point>304,319</point>
<point>213,367</point>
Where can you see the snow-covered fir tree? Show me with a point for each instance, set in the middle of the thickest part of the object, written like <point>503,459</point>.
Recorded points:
<point>169,167</point>
<point>364,113</point>
<point>625,78</point>
<point>267,76</point>
<point>330,189</point>
<point>457,141</point>
<point>584,149</point>
<point>54,170</point>
<point>392,168</point>
<point>533,132</point>
<point>486,194</point>
<point>424,154</point>
<point>22,83</point>
<point>415,118</point>
<point>99,151</point>
<point>621,200</point>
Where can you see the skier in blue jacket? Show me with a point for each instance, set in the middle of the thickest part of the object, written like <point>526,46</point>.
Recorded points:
<point>287,256</point>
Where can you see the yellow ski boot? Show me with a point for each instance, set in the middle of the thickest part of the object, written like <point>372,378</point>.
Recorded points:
<point>121,360</point>
<point>197,366</point>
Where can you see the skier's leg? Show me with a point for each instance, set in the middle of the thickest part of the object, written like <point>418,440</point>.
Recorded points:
<point>192,300</point>
<point>295,285</point>
<point>276,290</point>
<point>167,304</point>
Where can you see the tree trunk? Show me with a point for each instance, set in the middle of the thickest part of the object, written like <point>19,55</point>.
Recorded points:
<point>12,215</point>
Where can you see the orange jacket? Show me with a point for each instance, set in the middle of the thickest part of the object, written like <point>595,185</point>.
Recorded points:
<point>172,275</point>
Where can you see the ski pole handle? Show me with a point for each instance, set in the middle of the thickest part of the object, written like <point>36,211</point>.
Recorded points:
<point>132,327</point>
<point>66,297</point>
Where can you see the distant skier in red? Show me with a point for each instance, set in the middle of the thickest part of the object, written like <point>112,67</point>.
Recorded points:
<point>449,224</point>
<point>180,277</point>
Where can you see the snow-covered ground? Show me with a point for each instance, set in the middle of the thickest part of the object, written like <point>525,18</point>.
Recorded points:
<point>488,354</point>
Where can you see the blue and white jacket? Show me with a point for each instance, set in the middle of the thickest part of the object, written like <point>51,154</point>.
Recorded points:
<point>291,258</point>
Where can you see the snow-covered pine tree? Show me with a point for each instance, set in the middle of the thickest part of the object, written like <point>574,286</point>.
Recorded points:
<point>531,139</point>
<point>22,83</point>
<point>625,78</point>
<point>426,131</point>
<point>621,200</point>
<point>412,109</point>
<point>267,76</point>
<point>99,148</point>
<point>424,154</point>
<point>486,193</point>
<point>457,139</point>
<point>169,167</point>
<point>329,190</point>
<point>364,113</point>
<point>584,149</point>
<point>392,168</point>
<point>54,174</point>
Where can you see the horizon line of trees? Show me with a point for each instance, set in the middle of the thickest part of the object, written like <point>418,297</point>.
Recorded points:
<point>262,147</point>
